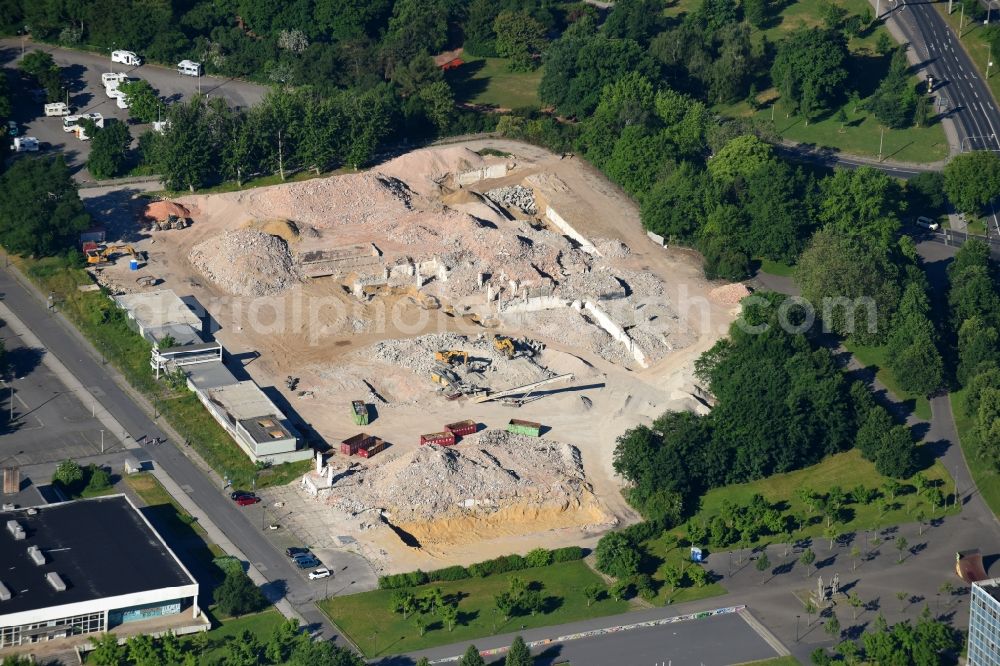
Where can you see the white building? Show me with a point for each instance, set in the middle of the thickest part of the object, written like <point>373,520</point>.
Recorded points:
<point>85,567</point>
<point>984,624</point>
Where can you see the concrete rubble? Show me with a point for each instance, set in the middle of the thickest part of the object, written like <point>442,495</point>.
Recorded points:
<point>515,196</point>
<point>246,262</point>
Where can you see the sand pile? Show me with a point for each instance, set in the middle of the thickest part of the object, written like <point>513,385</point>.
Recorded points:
<point>424,169</point>
<point>730,294</point>
<point>161,210</point>
<point>484,474</point>
<point>246,262</point>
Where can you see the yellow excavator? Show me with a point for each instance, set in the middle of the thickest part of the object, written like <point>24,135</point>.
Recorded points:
<point>105,254</point>
<point>452,356</point>
<point>504,345</point>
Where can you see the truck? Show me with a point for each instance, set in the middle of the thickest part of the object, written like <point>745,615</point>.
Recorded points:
<point>57,109</point>
<point>126,58</point>
<point>25,144</point>
<point>189,68</point>
<point>72,123</point>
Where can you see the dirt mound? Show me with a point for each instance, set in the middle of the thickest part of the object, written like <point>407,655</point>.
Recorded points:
<point>246,262</point>
<point>731,294</point>
<point>485,474</point>
<point>161,210</point>
<point>284,229</point>
<point>424,169</point>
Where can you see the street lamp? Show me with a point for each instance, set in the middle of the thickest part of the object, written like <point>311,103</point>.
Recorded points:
<point>797,628</point>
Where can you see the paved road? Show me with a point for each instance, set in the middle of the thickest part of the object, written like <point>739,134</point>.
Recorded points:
<point>82,71</point>
<point>956,80</point>
<point>60,339</point>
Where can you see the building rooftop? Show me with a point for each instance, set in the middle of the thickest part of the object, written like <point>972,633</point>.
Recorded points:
<point>210,375</point>
<point>99,547</point>
<point>265,428</point>
<point>244,400</point>
<point>183,334</point>
<point>155,309</point>
<point>991,587</point>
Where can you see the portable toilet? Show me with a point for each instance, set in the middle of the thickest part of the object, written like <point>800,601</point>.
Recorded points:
<point>133,264</point>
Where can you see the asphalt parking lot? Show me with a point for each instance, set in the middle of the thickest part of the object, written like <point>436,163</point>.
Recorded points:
<point>51,423</point>
<point>82,72</point>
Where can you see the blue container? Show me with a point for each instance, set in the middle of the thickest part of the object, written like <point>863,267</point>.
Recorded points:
<point>133,264</point>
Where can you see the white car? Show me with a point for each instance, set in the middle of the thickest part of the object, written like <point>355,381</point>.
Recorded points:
<point>319,573</point>
<point>25,144</point>
<point>927,223</point>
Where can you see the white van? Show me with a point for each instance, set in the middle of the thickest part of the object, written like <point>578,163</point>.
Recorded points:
<point>26,144</point>
<point>72,124</point>
<point>927,223</point>
<point>189,68</point>
<point>57,109</point>
<point>126,58</point>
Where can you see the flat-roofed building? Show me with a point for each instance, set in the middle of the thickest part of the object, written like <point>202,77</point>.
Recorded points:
<point>85,567</point>
<point>984,624</point>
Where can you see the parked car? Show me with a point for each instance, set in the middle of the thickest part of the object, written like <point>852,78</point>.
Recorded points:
<point>322,572</point>
<point>236,494</point>
<point>247,500</point>
<point>927,223</point>
<point>297,552</point>
<point>12,128</point>
<point>307,563</point>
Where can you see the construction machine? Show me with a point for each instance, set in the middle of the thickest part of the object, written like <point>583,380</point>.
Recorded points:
<point>504,345</point>
<point>444,376</point>
<point>452,357</point>
<point>106,254</point>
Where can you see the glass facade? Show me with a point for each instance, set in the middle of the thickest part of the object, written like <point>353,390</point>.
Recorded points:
<point>135,613</point>
<point>984,624</point>
<point>43,631</point>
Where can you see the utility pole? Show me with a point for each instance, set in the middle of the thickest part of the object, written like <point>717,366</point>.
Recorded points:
<point>961,21</point>
<point>881,139</point>
<point>878,9</point>
<point>11,400</point>
<point>281,159</point>
<point>989,60</point>
<point>102,440</point>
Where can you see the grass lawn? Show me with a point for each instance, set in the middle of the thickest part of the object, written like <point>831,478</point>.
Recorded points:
<point>875,357</point>
<point>846,470</point>
<point>776,661</point>
<point>261,625</point>
<point>776,268</point>
<point>975,45</point>
<point>987,479</point>
<point>366,617</point>
<point>488,81</point>
<point>666,551</point>
<point>179,529</point>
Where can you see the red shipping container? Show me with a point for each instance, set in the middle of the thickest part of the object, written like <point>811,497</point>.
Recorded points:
<point>375,446</point>
<point>439,438</point>
<point>462,428</point>
<point>351,445</point>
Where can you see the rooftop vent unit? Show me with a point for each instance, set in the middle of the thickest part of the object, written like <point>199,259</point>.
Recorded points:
<point>32,511</point>
<point>15,530</point>
<point>35,553</point>
<point>9,507</point>
<point>4,593</point>
<point>55,581</point>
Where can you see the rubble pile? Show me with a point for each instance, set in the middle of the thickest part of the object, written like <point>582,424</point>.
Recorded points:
<point>246,262</point>
<point>485,473</point>
<point>611,248</point>
<point>515,196</point>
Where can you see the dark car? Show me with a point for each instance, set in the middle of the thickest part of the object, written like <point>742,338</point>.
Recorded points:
<point>307,562</point>
<point>295,553</point>
<point>246,500</point>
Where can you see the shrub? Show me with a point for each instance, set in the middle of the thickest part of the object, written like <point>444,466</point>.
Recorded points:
<point>567,554</point>
<point>539,557</point>
<point>449,573</point>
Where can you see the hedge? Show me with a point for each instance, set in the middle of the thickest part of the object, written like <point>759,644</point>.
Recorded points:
<point>498,565</point>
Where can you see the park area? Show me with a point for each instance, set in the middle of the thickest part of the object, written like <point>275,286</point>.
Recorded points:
<point>374,627</point>
<point>490,82</point>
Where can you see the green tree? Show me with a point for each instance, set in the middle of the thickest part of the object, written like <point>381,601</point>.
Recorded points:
<point>99,480</point>
<point>901,546</point>
<point>520,38</point>
<point>107,651</point>
<point>237,595</point>
<point>505,603</point>
<point>809,69</point>
<point>186,155</point>
<point>856,603</point>
<point>143,651</point>
<point>592,593</point>
<point>403,602</point>
<point>810,609</point>
<point>518,654</point>
<point>832,627</point>
<point>898,455</point>
<point>978,348</point>
<point>855,556</point>
<point>741,158</point>
<point>420,622</point>
<point>40,210</point>
<point>480,40</point>
<point>143,102</point>
<point>472,657</point>
<point>616,555</point>
<point>68,475</point>
<point>244,650</point>
<point>807,558</point>
<point>449,615</point>
<point>282,642</point>
<point>108,149</point>
<point>698,576</point>
<point>972,180</point>
<point>894,102</point>
<point>672,576</point>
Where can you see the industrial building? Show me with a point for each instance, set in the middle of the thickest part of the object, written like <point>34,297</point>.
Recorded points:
<point>984,623</point>
<point>253,421</point>
<point>85,567</point>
